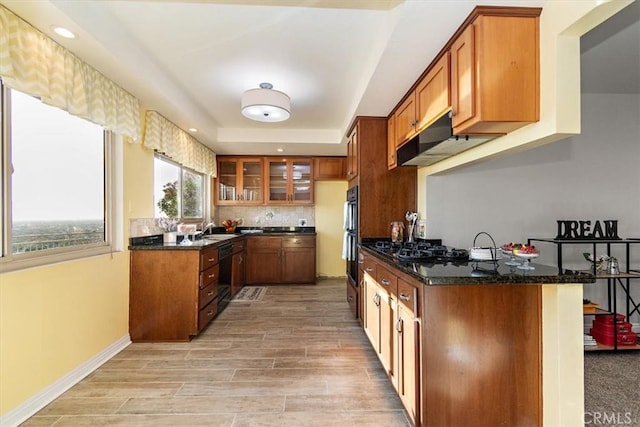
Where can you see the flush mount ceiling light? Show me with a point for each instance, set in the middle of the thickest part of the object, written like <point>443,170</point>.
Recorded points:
<point>265,104</point>
<point>63,32</point>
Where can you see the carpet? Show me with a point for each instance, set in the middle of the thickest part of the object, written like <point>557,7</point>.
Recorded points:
<point>250,294</point>
<point>612,388</point>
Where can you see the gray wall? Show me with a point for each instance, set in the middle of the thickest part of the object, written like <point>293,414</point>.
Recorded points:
<point>591,176</point>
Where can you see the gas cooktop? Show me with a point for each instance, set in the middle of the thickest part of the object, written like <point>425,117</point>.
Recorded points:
<point>420,252</point>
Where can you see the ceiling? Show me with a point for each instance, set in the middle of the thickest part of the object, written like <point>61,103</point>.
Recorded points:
<point>192,60</point>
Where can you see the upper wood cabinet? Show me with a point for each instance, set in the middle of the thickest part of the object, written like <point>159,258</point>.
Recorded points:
<point>289,181</point>
<point>433,95</point>
<point>428,102</point>
<point>352,154</point>
<point>495,84</point>
<point>239,181</point>
<point>392,160</point>
<point>405,120</point>
<point>329,168</point>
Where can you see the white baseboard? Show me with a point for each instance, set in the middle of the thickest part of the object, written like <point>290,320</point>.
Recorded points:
<point>41,399</point>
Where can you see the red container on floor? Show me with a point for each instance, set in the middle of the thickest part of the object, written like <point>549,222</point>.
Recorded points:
<point>608,327</point>
<point>608,318</point>
<point>606,338</point>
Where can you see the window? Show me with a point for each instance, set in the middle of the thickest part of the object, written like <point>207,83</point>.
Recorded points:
<point>56,171</point>
<point>178,192</point>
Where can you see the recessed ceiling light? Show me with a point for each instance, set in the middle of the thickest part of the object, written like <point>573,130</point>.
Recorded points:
<point>279,150</point>
<point>193,130</point>
<point>63,32</point>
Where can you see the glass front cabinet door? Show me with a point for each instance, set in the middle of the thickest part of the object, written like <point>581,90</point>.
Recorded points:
<point>290,181</point>
<point>239,181</point>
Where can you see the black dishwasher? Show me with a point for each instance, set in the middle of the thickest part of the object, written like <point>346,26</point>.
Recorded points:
<point>225,253</point>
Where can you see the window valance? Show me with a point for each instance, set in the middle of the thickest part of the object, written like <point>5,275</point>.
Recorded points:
<point>165,137</point>
<point>34,64</point>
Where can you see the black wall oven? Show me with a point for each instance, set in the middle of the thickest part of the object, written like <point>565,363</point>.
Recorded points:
<point>351,235</point>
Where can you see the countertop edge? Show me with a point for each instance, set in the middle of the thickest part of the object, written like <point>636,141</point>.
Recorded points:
<point>529,278</point>
<point>201,244</point>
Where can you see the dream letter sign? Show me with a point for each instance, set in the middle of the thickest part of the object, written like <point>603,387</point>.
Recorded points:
<point>581,230</point>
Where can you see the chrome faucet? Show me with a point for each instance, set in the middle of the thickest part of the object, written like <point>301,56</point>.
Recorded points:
<point>207,227</point>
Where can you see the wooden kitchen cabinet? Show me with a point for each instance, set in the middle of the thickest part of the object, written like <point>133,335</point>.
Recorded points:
<point>495,73</point>
<point>289,181</point>
<point>352,154</point>
<point>239,181</point>
<point>172,293</point>
<point>405,120</point>
<point>281,259</point>
<point>407,349</point>
<point>238,262</point>
<point>392,160</point>
<point>425,104</point>
<point>329,168</point>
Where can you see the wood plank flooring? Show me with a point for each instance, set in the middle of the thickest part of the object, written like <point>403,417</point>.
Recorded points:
<point>296,358</point>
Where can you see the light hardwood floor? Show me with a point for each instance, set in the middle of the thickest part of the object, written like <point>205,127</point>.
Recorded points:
<point>297,358</point>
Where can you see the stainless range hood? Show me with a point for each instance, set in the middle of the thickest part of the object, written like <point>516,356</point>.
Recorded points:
<point>436,143</point>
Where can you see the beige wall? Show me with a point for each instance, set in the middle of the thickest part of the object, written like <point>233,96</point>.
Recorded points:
<point>330,197</point>
<point>54,318</point>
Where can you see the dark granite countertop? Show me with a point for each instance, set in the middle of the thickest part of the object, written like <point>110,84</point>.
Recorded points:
<point>481,273</point>
<point>217,237</point>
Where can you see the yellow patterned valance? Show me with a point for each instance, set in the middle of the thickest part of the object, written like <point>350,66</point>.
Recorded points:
<point>165,137</point>
<point>34,64</point>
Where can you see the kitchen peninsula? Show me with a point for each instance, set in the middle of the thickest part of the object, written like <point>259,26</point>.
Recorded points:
<point>459,339</point>
<point>177,288</point>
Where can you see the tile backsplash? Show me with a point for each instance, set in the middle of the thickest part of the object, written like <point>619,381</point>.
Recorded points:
<point>252,216</point>
<point>267,216</point>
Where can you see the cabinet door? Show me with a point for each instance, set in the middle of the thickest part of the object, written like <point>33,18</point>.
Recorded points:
<point>371,301</point>
<point>352,154</point>
<point>298,265</point>
<point>391,143</point>
<point>226,189</point>
<point>387,320</point>
<point>251,184</point>
<point>329,168</point>
<point>301,179</point>
<point>408,359</point>
<point>432,94</point>
<point>463,76</point>
<point>263,259</point>
<point>405,120</point>
<point>237,272</point>
<point>277,181</point>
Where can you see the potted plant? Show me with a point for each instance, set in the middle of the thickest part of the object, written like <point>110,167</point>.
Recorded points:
<point>168,206</point>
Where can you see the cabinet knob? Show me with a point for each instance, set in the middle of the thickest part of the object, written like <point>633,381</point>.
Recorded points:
<point>404,297</point>
<point>385,282</point>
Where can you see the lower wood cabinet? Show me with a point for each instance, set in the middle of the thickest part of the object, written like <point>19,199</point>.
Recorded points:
<point>238,263</point>
<point>392,325</point>
<point>172,293</point>
<point>281,259</point>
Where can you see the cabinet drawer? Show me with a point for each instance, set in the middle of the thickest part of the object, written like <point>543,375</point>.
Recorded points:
<point>239,246</point>
<point>298,242</point>
<point>370,266</point>
<point>407,295</point>
<point>209,276</point>
<point>387,279</point>
<point>207,294</point>
<point>261,242</point>
<point>208,258</point>
<point>206,314</point>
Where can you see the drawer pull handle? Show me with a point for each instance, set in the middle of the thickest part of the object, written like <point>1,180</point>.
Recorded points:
<point>404,297</point>
<point>211,276</point>
<point>212,259</point>
<point>209,293</point>
<point>369,269</point>
<point>399,326</point>
<point>350,298</point>
<point>210,313</point>
<point>385,282</point>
